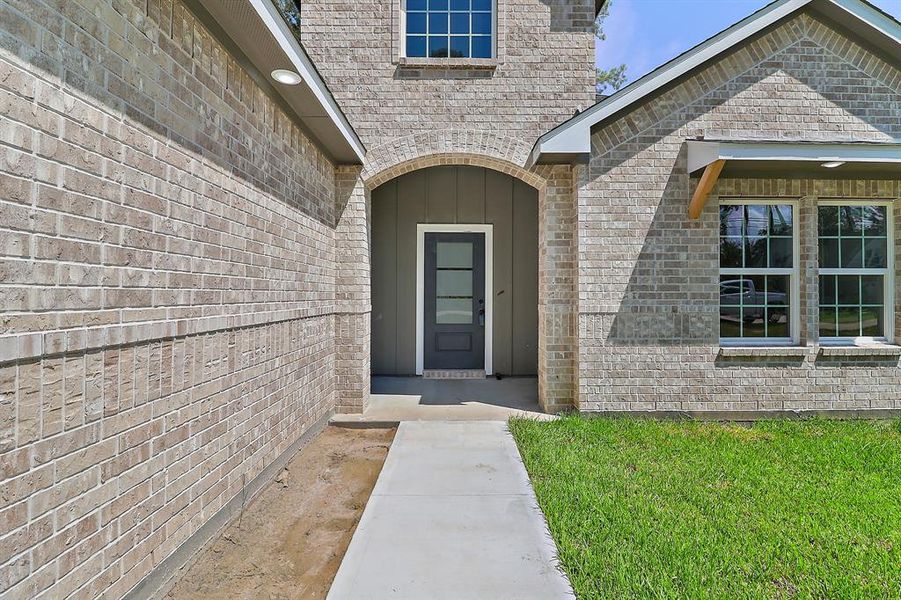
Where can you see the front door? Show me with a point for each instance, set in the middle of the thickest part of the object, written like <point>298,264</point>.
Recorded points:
<point>454,323</point>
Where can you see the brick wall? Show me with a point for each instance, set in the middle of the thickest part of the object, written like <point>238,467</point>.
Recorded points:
<point>648,276</point>
<point>543,73</point>
<point>413,114</point>
<point>168,281</point>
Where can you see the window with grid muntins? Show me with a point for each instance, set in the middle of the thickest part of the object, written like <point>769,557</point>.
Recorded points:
<point>757,271</point>
<point>449,28</point>
<point>855,262</point>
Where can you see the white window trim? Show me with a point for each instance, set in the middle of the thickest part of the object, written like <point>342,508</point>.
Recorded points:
<point>794,274</point>
<point>888,272</point>
<point>494,37</point>
<point>421,230</point>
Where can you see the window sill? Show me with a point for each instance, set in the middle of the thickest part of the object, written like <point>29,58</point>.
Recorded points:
<point>860,349</point>
<point>448,63</point>
<point>763,351</point>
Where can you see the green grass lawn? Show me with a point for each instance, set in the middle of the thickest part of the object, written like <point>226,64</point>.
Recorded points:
<point>649,509</point>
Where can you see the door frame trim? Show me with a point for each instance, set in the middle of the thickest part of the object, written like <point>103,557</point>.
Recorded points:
<point>421,230</point>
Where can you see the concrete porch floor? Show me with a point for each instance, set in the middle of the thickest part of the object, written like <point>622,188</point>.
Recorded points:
<point>396,399</point>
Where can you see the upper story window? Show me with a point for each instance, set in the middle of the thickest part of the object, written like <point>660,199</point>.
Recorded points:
<point>758,272</point>
<point>855,253</point>
<point>449,28</point>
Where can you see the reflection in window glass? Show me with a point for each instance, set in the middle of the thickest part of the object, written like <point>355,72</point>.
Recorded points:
<point>453,286</point>
<point>854,265</point>
<point>757,260</point>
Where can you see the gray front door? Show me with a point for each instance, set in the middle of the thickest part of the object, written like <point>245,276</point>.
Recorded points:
<point>454,332</point>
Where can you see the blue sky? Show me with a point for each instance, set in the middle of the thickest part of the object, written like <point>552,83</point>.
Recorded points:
<point>644,34</point>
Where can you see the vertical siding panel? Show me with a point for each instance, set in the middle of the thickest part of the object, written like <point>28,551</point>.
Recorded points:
<point>470,195</point>
<point>525,278</point>
<point>442,196</point>
<point>499,212</point>
<point>411,209</point>
<point>384,279</point>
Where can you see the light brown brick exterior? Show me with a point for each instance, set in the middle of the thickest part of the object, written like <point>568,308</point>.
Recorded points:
<point>170,269</point>
<point>186,277</point>
<point>648,275</point>
<point>415,114</point>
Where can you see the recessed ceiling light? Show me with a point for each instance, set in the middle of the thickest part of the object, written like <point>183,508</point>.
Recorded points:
<point>833,164</point>
<point>285,76</point>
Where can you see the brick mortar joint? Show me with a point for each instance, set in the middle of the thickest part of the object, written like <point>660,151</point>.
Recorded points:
<point>29,346</point>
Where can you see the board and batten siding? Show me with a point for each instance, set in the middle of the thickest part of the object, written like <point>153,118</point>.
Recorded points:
<point>451,195</point>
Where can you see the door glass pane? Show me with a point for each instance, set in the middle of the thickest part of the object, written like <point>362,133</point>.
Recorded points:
<point>454,283</point>
<point>451,311</point>
<point>454,255</point>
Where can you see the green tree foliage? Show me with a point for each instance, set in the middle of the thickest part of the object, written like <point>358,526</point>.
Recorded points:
<point>613,78</point>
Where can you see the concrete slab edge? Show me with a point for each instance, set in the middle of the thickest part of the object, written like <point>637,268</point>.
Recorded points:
<point>160,580</point>
<point>359,424</point>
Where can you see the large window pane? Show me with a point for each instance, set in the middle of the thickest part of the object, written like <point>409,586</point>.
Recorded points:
<point>854,261</point>
<point>451,28</point>
<point>852,305</point>
<point>756,304</point>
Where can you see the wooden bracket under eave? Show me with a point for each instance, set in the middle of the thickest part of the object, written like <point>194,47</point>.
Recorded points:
<point>708,180</point>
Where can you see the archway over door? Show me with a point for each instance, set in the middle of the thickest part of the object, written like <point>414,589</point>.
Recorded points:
<point>466,199</point>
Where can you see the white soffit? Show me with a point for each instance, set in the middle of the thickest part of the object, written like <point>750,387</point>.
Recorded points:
<point>258,31</point>
<point>573,138</point>
<point>702,153</point>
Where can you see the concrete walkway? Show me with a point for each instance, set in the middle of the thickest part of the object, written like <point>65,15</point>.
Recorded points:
<point>452,516</point>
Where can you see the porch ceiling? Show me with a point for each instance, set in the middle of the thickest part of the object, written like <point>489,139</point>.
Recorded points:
<point>838,160</point>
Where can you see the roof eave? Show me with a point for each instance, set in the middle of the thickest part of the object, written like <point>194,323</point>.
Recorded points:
<point>704,152</point>
<point>262,41</point>
<point>563,139</point>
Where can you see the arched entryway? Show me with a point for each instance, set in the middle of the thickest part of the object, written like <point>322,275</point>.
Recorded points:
<point>454,253</point>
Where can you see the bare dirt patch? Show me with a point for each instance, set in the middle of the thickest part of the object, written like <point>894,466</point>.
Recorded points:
<point>289,542</point>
